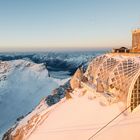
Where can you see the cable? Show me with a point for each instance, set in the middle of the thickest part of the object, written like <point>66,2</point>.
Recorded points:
<point>108,123</point>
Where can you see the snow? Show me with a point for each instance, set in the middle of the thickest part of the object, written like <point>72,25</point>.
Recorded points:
<point>81,117</point>
<point>62,82</point>
<point>25,85</point>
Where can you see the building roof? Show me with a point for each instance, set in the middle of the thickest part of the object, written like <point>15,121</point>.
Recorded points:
<point>122,48</point>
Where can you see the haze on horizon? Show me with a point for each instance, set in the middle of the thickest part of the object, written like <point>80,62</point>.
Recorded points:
<point>54,24</point>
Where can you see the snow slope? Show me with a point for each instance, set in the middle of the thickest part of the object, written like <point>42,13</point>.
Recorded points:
<point>23,84</point>
<point>80,117</point>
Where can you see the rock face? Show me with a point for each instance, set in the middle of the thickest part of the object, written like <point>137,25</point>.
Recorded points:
<point>75,81</point>
<point>58,94</point>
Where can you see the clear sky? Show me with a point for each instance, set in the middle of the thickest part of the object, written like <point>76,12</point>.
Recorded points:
<point>26,24</point>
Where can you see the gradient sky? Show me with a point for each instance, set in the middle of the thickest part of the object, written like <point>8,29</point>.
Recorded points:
<point>67,23</point>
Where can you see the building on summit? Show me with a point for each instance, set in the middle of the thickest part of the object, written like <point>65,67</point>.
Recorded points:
<point>135,44</point>
<point>121,50</point>
<point>115,74</point>
<point>136,40</point>
<point>118,73</point>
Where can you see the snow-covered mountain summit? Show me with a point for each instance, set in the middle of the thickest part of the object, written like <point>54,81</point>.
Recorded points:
<point>23,84</point>
<point>26,78</point>
<point>77,116</point>
<point>88,108</point>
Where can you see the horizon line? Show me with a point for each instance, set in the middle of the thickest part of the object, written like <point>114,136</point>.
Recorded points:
<point>37,49</point>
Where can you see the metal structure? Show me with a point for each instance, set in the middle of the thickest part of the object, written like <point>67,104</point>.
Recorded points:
<point>118,75</point>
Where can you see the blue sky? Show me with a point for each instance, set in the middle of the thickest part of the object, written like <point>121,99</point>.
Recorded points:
<point>36,24</point>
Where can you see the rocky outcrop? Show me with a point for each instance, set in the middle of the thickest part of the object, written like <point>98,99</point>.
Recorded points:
<point>75,81</point>
<point>58,94</point>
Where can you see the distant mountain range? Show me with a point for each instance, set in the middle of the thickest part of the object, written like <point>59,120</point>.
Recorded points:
<point>26,78</point>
